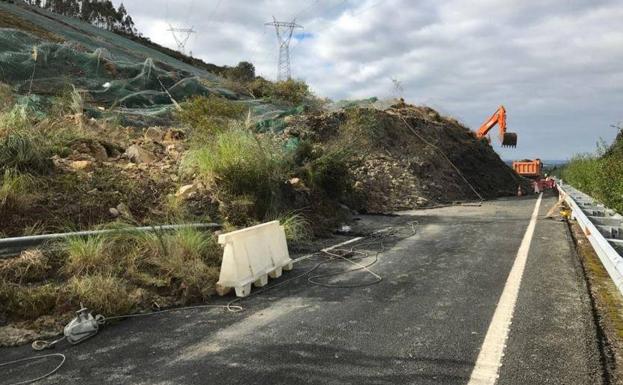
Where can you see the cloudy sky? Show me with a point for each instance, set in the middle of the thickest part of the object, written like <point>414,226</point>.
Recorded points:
<point>557,65</point>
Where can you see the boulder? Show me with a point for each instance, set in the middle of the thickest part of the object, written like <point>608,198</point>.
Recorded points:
<point>81,165</point>
<point>172,135</point>
<point>154,134</point>
<point>139,155</point>
<point>123,210</point>
<point>186,191</point>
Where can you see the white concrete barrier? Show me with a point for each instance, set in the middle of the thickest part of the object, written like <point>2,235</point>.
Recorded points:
<point>251,255</point>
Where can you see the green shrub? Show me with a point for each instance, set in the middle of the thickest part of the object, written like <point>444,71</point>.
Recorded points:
<point>237,163</point>
<point>209,115</point>
<point>330,173</point>
<point>260,88</point>
<point>244,72</point>
<point>581,171</point>
<point>607,185</point>
<point>600,176</point>
<point>290,91</point>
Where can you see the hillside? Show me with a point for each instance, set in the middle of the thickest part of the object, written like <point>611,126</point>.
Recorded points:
<point>100,131</point>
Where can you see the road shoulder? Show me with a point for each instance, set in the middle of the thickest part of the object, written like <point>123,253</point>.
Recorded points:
<point>553,337</point>
<point>607,304</point>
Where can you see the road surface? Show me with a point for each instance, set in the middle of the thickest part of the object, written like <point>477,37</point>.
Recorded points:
<point>439,316</point>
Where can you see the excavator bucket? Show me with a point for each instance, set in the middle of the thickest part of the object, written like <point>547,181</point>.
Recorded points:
<point>509,139</point>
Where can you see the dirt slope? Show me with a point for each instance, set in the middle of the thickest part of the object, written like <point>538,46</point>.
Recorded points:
<point>400,169</point>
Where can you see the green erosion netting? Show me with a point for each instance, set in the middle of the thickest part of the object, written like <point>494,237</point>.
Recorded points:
<point>125,79</point>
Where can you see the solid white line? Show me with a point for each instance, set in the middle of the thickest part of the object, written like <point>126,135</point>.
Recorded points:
<point>490,357</point>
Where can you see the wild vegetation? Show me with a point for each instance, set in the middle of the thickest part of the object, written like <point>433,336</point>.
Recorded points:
<point>600,174</point>
<point>49,162</point>
<point>113,274</point>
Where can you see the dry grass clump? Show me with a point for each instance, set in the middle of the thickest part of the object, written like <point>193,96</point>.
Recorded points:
<point>30,266</point>
<point>105,294</point>
<point>28,302</point>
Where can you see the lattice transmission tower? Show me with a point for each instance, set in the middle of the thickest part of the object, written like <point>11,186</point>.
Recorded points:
<point>284,32</point>
<point>181,36</point>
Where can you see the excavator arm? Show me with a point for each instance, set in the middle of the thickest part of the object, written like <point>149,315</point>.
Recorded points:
<point>509,139</point>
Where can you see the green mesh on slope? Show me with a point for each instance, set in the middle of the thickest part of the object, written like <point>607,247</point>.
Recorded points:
<point>131,82</point>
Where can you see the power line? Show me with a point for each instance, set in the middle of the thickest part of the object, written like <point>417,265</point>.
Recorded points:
<point>306,9</point>
<point>211,17</point>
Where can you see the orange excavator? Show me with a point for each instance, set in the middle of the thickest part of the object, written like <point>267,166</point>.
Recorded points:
<point>509,139</point>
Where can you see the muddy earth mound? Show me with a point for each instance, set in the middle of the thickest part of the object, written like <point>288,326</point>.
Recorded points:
<point>409,157</point>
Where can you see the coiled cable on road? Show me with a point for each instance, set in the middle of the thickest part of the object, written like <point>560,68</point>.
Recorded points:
<point>33,358</point>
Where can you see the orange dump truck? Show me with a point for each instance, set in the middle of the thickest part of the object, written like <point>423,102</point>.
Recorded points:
<point>533,169</point>
<point>529,168</point>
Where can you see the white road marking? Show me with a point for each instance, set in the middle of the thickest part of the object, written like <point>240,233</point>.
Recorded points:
<point>327,249</point>
<point>486,370</point>
<point>304,257</point>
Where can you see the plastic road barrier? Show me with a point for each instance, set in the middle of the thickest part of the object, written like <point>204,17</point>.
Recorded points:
<point>252,255</point>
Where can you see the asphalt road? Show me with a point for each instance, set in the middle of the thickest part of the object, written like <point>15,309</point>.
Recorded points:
<point>424,323</point>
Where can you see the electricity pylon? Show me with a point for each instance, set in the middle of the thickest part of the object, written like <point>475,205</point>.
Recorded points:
<point>284,32</point>
<point>182,38</point>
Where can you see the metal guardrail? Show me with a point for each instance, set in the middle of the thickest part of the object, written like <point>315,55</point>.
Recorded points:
<point>603,228</point>
<point>10,247</point>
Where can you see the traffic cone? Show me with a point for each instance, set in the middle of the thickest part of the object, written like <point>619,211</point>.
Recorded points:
<point>519,191</point>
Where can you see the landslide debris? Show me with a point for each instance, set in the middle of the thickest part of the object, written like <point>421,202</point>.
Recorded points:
<point>399,169</point>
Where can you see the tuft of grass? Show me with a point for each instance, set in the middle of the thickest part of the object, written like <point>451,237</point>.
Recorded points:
<point>105,294</point>
<point>188,258</point>
<point>25,152</point>
<point>239,164</point>
<point>6,97</point>
<point>296,226</point>
<point>33,229</point>
<point>14,118</point>
<point>15,190</point>
<point>86,255</point>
